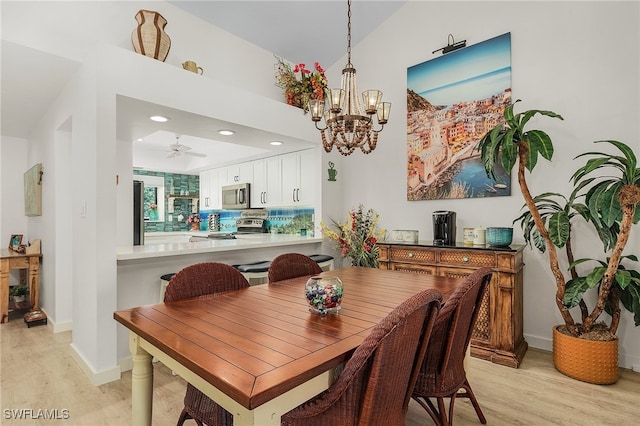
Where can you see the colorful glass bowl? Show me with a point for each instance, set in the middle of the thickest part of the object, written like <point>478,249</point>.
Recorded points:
<point>323,294</point>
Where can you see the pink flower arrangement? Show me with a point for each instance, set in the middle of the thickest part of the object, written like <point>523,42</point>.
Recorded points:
<point>298,90</point>
<point>194,218</point>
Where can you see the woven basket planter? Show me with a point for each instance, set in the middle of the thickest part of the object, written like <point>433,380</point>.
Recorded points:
<point>585,360</point>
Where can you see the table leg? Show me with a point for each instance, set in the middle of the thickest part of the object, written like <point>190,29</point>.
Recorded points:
<point>34,282</point>
<point>4,290</point>
<point>141,383</point>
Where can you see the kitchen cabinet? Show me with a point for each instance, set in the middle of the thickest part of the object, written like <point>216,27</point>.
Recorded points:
<point>498,332</point>
<point>299,178</point>
<point>266,190</point>
<point>210,190</point>
<point>237,173</point>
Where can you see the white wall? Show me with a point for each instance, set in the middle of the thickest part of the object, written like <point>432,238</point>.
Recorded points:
<point>579,59</point>
<point>13,164</point>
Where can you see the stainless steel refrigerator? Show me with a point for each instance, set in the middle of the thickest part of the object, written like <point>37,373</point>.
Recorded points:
<point>138,213</point>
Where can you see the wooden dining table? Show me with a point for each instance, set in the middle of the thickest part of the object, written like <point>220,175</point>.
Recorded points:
<point>259,351</point>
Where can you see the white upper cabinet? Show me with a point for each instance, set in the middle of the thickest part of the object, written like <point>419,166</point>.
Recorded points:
<point>209,190</point>
<point>237,173</point>
<point>280,181</point>
<point>266,188</point>
<point>299,172</point>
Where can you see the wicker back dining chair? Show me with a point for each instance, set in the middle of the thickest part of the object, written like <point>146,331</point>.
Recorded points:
<point>292,265</point>
<point>375,386</point>
<point>442,374</point>
<point>199,280</point>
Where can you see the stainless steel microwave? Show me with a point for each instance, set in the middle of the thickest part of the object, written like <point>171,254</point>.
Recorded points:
<point>236,197</point>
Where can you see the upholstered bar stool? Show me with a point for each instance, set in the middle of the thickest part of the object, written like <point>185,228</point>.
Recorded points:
<point>323,260</point>
<point>255,273</point>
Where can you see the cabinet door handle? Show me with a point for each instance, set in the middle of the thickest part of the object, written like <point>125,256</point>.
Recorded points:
<point>298,195</point>
<point>206,201</point>
<point>411,254</point>
<point>293,195</point>
<point>465,259</point>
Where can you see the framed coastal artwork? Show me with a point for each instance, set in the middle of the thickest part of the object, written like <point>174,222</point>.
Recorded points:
<point>33,191</point>
<point>452,101</point>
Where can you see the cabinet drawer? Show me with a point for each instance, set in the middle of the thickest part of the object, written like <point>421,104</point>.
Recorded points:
<point>467,258</point>
<point>419,269</point>
<point>412,254</point>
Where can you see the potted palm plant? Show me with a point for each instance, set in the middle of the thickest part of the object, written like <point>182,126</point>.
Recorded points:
<point>606,194</point>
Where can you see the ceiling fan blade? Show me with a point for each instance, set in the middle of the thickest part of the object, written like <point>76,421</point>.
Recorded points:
<point>195,154</point>
<point>179,147</point>
<point>174,154</point>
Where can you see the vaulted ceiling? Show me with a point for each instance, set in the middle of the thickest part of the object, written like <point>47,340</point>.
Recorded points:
<point>32,79</point>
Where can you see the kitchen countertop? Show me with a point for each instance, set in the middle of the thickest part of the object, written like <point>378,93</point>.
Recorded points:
<point>242,242</point>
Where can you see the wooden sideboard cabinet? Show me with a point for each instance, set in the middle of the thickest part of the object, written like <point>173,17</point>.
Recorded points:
<point>497,335</point>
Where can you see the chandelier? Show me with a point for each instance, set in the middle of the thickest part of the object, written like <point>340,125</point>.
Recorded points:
<point>347,125</point>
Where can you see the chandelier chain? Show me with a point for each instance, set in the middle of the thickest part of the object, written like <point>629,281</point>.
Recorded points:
<point>349,33</point>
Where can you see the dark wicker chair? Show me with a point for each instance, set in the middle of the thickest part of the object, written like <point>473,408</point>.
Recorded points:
<point>199,280</point>
<point>442,373</point>
<point>375,386</point>
<point>292,265</point>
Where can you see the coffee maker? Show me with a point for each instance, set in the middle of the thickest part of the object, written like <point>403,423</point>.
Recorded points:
<point>444,228</point>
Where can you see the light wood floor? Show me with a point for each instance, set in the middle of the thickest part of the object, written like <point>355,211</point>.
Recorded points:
<point>38,372</point>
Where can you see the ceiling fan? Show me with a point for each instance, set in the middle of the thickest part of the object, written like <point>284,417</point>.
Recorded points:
<point>178,149</point>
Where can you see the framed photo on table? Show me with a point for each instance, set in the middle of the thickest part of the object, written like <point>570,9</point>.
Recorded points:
<point>15,241</point>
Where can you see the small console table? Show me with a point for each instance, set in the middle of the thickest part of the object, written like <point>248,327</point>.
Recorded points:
<point>498,332</point>
<point>12,260</point>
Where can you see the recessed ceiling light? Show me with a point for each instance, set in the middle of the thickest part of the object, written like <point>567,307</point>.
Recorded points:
<point>275,143</point>
<point>139,139</point>
<point>226,132</point>
<point>159,118</point>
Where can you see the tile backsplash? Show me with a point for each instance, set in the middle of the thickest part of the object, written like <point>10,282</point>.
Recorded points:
<point>174,184</point>
<point>280,220</point>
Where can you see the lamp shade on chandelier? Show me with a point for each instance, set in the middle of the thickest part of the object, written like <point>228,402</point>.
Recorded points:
<point>348,122</point>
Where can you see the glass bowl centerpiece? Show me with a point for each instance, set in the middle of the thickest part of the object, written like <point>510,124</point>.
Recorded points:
<point>324,294</point>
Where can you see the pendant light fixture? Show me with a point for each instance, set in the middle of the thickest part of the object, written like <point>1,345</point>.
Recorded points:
<point>347,125</point>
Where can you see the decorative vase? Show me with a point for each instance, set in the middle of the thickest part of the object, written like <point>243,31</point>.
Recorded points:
<point>324,294</point>
<point>195,226</point>
<point>153,214</point>
<point>590,361</point>
<point>149,38</point>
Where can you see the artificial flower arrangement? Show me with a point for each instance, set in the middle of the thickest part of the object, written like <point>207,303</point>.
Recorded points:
<point>357,236</point>
<point>153,206</point>
<point>194,218</point>
<point>299,89</point>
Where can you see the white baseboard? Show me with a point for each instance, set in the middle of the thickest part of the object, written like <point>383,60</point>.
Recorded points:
<point>538,342</point>
<point>96,378</point>
<point>57,327</point>
<point>125,364</point>
<point>60,327</point>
